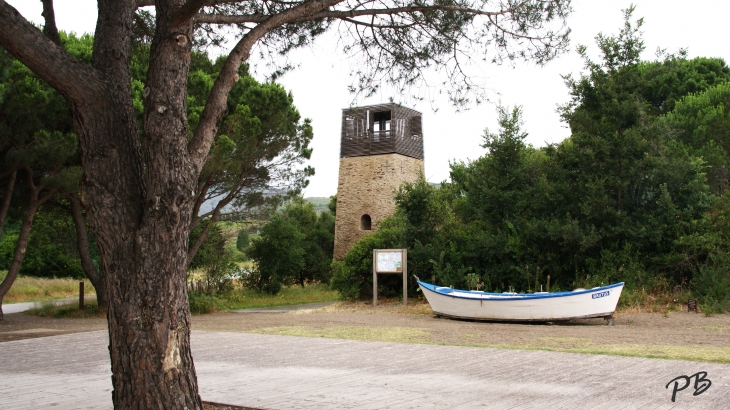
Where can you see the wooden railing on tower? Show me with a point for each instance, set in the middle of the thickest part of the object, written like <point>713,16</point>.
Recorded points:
<point>381,129</point>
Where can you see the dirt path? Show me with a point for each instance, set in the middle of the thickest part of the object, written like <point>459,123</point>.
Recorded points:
<point>17,326</point>
<point>678,328</point>
<point>676,335</point>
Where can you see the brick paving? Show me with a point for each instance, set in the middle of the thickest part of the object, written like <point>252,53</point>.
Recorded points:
<point>283,372</point>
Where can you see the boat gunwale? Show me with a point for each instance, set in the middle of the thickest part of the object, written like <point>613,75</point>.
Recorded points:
<point>513,296</point>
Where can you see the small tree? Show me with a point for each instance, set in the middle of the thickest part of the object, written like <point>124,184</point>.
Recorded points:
<point>278,254</point>
<point>213,259</point>
<point>37,143</point>
<point>318,242</point>
<point>255,160</point>
<point>36,146</point>
<point>242,240</point>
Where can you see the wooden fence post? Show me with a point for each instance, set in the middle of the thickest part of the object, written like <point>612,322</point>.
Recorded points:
<point>81,295</point>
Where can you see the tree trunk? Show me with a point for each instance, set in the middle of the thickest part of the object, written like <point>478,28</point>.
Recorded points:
<point>49,29</point>
<point>139,207</point>
<point>619,198</point>
<point>6,200</point>
<point>82,241</point>
<point>22,243</point>
<point>138,197</point>
<point>139,190</point>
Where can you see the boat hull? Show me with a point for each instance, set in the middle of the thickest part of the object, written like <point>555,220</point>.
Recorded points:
<point>454,303</point>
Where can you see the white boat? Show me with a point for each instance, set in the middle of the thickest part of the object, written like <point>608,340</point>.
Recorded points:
<point>540,306</point>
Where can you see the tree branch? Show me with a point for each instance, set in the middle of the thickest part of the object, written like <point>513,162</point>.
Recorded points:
<point>70,76</point>
<point>143,25</point>
<point>49,29</point>
<point>215,107</point>
<point>344,14</point>
<point>6,199</point>
<point>190,9</point>
<point>29,179</point>
<point>149,3</point>
<point>82,242</point>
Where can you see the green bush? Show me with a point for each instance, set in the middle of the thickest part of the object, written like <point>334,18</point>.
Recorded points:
<point>711,285</point>
<point>353,277</point>
<point>201,303</point>
<point>295,247</point>
<point>278,255</point>
<point>242,240</point>
<point>213,260</point>
<point>52,248</point>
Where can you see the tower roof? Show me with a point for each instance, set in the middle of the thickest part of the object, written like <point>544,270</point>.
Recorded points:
<point>381,129</point>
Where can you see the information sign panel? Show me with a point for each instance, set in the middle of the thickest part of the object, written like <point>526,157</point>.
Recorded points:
<point>390,261</point>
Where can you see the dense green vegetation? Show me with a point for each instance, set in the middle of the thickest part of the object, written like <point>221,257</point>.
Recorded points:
<point>638,193</point>
<point>255,163</point>
<point>295,247</point>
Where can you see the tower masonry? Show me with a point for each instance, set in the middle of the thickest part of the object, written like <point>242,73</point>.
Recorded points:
<point>381,147</point>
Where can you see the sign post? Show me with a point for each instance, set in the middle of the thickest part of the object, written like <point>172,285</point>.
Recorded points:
<point>390,261</point>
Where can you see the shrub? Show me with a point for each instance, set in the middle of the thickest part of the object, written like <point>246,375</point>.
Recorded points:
<point>242,241</point>
<point>353,277</point>
<point>278,255</point>
<point>202,303</point>
<point>213,260</point>
<point>711,284</point>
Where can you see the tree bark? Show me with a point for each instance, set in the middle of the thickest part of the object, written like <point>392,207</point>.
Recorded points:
<point>23,236</point>
<point>82,242</point>
<point>6,200</point>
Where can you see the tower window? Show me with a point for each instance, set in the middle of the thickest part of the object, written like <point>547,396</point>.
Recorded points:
<point>381,123</point>
<point>365,223</point>
<point>350,126</point>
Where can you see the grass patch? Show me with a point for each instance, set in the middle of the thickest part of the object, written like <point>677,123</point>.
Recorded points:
<point>249,298</point>
<point>553,344</point>
<point>393,306</point>
<point>380,334</point>
<point>32,289</point>
<point>717,328</point>
<point>693,353</point>
<point>563,342</point>
<point>69,310</point>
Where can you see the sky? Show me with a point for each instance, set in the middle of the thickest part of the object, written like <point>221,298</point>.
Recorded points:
<point>319,84</point>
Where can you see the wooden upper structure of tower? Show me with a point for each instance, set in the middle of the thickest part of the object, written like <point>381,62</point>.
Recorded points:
<point>381,148</point>
<point>381,129</point>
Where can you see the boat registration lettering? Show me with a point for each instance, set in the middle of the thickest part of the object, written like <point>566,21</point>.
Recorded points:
<point>600,294</point>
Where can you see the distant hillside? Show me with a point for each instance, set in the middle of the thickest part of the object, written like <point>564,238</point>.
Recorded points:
<point>320,203</point>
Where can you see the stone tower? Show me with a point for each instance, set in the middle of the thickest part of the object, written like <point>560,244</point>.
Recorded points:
<point>381,147</point>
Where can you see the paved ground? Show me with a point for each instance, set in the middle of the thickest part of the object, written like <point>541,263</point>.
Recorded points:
<point>283,372</point>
